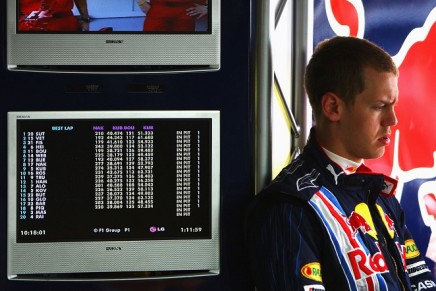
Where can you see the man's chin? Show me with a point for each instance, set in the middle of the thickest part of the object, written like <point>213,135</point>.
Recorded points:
<point>376,154</point>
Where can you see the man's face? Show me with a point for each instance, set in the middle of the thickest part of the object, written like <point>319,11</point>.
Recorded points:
<point>365,124</point>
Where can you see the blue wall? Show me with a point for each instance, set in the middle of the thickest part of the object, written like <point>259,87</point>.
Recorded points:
<point>227,90</point>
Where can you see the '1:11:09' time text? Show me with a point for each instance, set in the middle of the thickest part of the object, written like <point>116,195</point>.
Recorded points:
<point>191,229</point>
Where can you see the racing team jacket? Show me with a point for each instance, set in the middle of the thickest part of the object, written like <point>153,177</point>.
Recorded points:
<point>316,228</point>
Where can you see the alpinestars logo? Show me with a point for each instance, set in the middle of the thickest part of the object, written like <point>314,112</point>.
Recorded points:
<point>308,180</point>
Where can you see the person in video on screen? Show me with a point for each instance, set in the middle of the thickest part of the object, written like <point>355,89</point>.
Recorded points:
<point>198,10</point>
<point>53,15</point>
<point>172,15</point>
<point>327,222</point>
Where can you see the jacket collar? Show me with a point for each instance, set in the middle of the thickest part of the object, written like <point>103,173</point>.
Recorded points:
<point>363,176</point>
<point>349,167</point>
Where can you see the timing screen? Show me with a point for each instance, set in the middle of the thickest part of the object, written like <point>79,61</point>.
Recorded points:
<point>113,179</point>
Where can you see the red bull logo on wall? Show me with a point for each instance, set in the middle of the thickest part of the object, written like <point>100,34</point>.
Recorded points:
<point>411,39</point>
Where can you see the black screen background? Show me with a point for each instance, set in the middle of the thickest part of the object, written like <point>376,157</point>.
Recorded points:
<point>70,210</point>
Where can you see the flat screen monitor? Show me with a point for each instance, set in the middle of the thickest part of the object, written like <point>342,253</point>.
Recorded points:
<point>113,194</point>
<point>113,35</point>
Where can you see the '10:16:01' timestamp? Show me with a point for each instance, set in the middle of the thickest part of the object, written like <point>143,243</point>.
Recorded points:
<point>33,232</point>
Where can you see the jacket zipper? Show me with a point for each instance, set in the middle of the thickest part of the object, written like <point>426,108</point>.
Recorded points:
<point>374,212</point>
<point>395,264</point>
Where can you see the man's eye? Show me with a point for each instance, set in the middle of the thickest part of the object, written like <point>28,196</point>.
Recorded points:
<point>380,107</point>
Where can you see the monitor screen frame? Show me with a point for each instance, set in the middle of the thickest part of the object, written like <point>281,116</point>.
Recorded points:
<point>113,260</point>
<point>114,52</point>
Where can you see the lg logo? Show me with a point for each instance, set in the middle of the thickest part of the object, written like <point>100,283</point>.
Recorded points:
<point>157,229</point>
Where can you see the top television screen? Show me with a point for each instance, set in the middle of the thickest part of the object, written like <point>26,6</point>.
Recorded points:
<point>112,16</point>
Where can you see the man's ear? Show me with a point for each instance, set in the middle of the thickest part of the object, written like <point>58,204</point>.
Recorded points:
<point>331,106</point>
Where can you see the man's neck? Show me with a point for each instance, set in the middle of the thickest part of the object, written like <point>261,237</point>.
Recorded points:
<point>347,165</point>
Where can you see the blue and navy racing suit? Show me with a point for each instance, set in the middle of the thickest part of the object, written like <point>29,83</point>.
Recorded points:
<point>316,228</point>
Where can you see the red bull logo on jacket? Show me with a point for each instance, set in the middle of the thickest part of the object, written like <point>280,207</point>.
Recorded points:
<point>363,267</point>
<point>357,222</point>
<point>361,219</point>
<point>367,264</point>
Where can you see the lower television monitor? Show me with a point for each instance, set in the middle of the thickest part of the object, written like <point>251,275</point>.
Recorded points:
<point>113,194</point>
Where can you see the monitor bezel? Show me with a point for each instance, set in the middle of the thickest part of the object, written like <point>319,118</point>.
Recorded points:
<point>113,260</point>
<point>113,52</point>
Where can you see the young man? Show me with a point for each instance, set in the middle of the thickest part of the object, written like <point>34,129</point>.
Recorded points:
<point>327,222</point>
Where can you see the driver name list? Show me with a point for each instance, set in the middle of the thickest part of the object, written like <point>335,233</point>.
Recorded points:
<point>124,164</point>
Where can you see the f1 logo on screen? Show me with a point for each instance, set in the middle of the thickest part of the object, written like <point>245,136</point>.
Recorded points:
<point>411,158</point>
